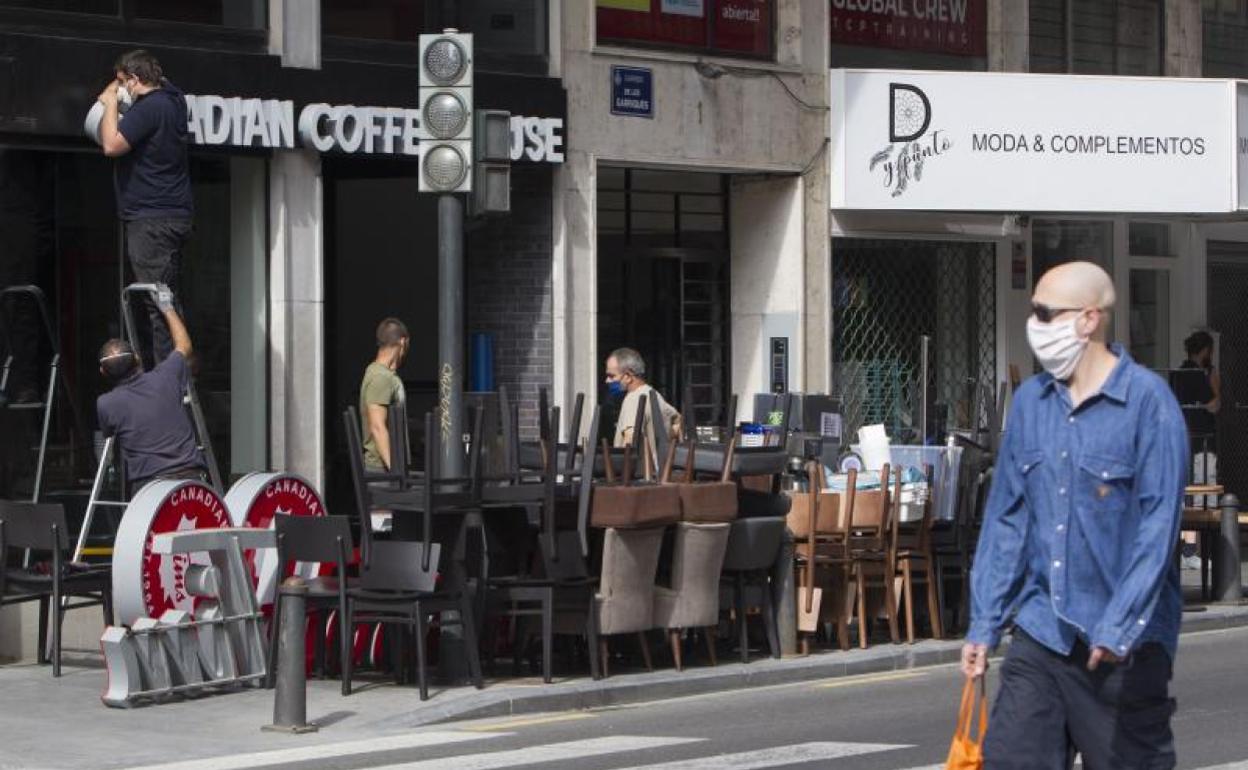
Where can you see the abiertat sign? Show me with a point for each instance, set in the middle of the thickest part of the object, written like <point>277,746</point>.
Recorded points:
<point>995,142</point>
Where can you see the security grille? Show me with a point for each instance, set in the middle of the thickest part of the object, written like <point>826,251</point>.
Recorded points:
<point>888,294</point>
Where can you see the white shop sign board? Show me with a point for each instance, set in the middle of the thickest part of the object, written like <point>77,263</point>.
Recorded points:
<point>1241,142</point>
<point>1003,142</point>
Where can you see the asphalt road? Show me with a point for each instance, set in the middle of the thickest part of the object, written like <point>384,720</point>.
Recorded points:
<point>896,721</point>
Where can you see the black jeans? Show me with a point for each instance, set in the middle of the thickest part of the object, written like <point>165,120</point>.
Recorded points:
<point>1049,706</point>
<point>155,249</point>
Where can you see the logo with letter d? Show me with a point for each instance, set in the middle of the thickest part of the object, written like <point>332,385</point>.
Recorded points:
<point>909,114</point>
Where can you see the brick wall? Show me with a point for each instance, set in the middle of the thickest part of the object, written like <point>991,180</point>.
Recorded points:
<point>508,290</point>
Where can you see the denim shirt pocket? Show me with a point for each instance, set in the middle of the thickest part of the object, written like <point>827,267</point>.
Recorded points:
<point>1104,483</point>
<point>1029,465</point>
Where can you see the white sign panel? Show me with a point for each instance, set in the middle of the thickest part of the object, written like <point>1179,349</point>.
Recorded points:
<point>969,141</point>
<point>683,7</point>
<point>1241,142</point>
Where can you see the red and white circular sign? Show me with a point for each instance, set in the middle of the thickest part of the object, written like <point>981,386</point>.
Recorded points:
<point>253,501</point>
<point>145,584</point>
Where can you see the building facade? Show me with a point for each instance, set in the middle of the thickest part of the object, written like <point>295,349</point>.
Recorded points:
<point>671,191</point>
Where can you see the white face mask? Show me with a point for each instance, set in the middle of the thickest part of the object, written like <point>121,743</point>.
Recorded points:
<point>1056,345</point>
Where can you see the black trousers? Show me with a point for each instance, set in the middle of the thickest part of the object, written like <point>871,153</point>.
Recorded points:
<point>1049,706</point>
<point>155,249</point>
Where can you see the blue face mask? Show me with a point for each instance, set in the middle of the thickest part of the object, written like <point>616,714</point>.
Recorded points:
<point>615,388</point>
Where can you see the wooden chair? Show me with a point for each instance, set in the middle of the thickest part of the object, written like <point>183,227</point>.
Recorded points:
<point>872,554</point>
<point>912,544</point>
<point>819,521</point>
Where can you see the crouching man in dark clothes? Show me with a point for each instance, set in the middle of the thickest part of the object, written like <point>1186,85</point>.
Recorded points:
<point>144,411</point>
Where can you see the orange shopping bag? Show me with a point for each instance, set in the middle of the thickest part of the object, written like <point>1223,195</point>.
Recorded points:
<point>965,752</point>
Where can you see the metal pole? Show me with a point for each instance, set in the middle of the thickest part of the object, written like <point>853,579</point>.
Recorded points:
<point>924,341</point>
<point>290,701</point>
<point>1227,569</point>
<point>451,332</point>
<point>785,599</point>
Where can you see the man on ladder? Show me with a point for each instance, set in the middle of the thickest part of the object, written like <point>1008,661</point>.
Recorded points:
<point>145,412</point>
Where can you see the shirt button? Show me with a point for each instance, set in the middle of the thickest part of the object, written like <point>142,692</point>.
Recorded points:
<point>1142,623</point>
<point>1057,565</point>
<point>1070,419</point>
<point>1063,454</point>
<point>1104,474</point>
<point>1061,527</point>
<point>1062,491</point>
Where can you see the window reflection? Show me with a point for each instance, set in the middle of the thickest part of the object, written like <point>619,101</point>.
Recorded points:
<point>59,231</point>
<point>101,7</point>
<point>236,14</point>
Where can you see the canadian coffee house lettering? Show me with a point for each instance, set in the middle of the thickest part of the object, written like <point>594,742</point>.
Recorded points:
<point>272,124</point>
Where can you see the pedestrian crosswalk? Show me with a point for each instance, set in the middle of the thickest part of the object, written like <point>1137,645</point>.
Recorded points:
<point>476,750</point>
<point>816,751</point>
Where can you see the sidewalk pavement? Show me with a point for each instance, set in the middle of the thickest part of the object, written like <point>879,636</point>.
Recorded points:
<point>51,723</point>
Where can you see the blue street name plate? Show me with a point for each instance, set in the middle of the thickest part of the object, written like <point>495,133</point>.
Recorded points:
<point>632,91</point>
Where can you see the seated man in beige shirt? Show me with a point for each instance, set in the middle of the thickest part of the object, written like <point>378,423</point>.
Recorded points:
<point>626,376</point>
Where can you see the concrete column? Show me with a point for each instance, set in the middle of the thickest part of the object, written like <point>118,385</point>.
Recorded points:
<point>816,226</point>
<point>1184,39</point>
<point>295,32</point>
<point>1009,47</point>
<point>575,283</point>
<point>248,316</point>
<point>296,303</point>
<point>574,263</point>
<point>768,266</point>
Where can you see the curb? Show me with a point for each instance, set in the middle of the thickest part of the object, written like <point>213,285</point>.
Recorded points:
<point>627,689</point>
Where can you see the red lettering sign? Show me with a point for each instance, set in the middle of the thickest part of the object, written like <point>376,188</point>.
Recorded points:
<point>957,27</point>
<point>716,26</point>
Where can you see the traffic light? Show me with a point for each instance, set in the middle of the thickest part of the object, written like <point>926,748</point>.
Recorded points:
<point>491,166</point>
<point>446,112</point>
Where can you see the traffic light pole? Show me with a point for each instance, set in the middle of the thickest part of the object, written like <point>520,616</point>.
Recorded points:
<point>451,332</point>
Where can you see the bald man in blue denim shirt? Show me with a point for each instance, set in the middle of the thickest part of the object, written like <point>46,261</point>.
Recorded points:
<point>1077,548</point>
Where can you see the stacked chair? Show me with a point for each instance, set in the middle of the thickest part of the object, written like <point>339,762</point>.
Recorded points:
<point>847,535</point>
<point>559,583</point>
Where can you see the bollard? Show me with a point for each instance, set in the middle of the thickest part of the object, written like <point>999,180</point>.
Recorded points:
<point>290,701</point>
<point>1227,569</point>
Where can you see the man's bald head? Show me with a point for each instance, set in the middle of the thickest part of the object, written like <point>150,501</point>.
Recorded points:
<point>1083,285</point>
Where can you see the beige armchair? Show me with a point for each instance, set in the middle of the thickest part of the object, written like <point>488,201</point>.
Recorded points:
<point>693,599</point>
<point>625,599</point>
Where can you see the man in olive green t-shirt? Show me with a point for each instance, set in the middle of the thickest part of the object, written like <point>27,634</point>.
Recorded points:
<point>381,388</point>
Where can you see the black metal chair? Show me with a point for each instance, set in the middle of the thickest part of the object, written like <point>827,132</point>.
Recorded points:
<point>953,542</point>
<point>396,589</point>
<point>50,578</point>
<point>318,540</point>
<point>753,546</point>
<point>564,585</point>
<point>363,480</point>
